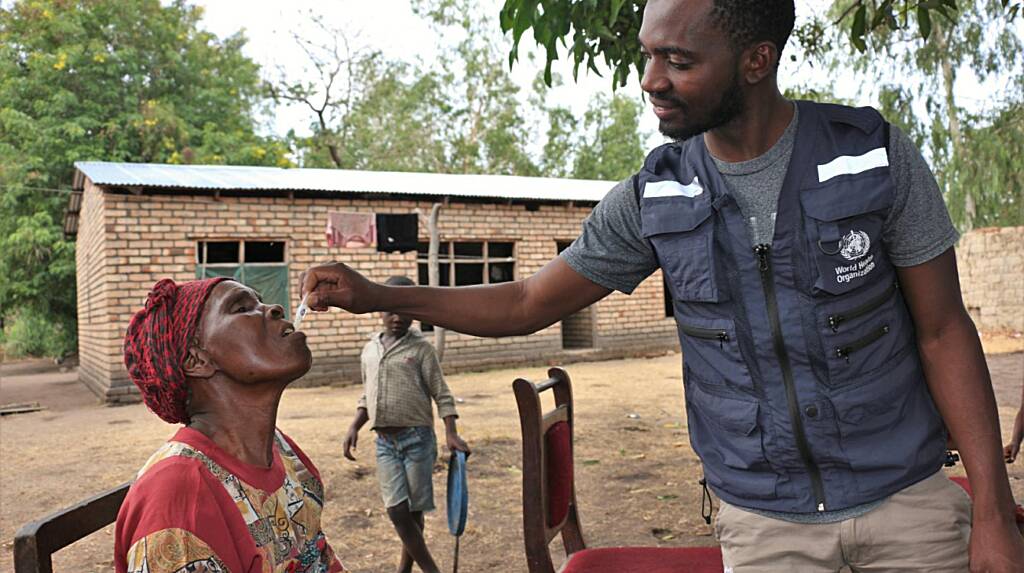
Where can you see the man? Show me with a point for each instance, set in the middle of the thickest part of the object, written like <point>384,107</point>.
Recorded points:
<point>814,385</point>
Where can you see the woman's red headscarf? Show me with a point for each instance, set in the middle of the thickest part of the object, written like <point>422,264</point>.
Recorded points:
<point>157,343</point>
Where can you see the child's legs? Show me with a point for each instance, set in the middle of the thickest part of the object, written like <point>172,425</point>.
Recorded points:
<point>405,461</point>
<point>405,467</point>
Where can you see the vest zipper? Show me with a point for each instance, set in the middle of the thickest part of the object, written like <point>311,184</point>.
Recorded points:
<point>834,320</point>
<point>707,334</point>
<point>763,253</point>
<point>844,352</point>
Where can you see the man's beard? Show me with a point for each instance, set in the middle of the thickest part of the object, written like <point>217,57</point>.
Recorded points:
<point>729,107</point>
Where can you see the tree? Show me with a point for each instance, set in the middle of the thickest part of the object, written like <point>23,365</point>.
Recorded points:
<point>460,115</point>
<point>611,146</point>
<point>607,30</point>
<point>116,80</point>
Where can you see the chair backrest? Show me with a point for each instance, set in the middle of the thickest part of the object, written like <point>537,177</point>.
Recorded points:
<point>549,492</point>
<point>37,541</point>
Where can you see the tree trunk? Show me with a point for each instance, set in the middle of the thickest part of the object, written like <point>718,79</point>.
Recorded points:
<point>948,81</point>
<point>433,272</point>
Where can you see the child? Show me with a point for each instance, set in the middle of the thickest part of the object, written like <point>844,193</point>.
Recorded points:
<point>401,374</point>
<point>229,492</point>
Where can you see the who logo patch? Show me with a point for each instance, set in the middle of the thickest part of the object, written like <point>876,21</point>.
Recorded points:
<point>854,245</point>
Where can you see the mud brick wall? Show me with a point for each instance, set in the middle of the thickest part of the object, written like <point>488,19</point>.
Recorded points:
<point>991,263</point>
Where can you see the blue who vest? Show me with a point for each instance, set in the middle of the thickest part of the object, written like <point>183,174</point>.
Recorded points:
<point>804,389</point>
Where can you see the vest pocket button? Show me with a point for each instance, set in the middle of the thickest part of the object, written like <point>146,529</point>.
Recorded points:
<point>811,411</point>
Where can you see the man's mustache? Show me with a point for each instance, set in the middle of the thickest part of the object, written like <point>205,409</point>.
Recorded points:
<point>668,99</point>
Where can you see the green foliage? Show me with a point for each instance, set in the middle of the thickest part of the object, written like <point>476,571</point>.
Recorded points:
<point>34,335</point>
<point>611,148</point>
<point>607,30</point>
<point>991,169</point>
<point>115,80</point>
<point>601,29</point>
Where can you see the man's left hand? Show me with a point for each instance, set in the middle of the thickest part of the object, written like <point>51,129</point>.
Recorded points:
<point>996,547</point>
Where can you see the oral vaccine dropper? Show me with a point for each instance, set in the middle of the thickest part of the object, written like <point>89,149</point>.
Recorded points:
<point>300,312</point>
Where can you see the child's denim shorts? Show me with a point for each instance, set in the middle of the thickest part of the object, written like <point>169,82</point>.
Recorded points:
<point>405,467</point>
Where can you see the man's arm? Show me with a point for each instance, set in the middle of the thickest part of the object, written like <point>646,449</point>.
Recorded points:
<point>505,309</point>
<point>958,378</point>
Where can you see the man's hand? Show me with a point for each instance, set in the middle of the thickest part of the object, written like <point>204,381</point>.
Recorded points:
<point>1011,449</point>
<point>337,285</point>
<point>454,442</point>
<point>996,546</point>
<point>351,440</point>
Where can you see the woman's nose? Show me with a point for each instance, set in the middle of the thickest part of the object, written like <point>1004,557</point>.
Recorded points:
<point>275,311</point>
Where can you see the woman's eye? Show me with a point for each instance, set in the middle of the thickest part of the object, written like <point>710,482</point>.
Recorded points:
<point>242,309</point>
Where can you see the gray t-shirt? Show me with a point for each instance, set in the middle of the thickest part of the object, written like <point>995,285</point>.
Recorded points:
<point>613,253</point>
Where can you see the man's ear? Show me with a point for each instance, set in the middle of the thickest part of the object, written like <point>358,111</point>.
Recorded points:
<point>759,62</point>
<point>199,364</point>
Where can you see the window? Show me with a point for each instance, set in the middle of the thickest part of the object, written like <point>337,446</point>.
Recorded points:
<point>468,263</point>
<point>257,264</point>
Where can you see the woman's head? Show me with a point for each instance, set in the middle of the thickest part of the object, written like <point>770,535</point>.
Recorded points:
<point>213,331</point>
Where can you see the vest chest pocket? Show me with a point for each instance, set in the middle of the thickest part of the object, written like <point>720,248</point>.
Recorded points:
<point>844,228</point>
<point>682,233</point>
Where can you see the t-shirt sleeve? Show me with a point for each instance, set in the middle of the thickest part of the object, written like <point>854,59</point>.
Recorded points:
<point>174,520</point>
<point>173,550</point>
<point>611,251</point>
<point>918,227</point>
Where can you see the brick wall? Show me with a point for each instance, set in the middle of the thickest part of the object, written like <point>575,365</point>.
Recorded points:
<point>95,331</point>
<point>127,242</point>
<point>991,263</point>
<point>578,329</point>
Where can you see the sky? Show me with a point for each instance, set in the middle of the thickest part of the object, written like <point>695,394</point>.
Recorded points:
<point>391,27</point>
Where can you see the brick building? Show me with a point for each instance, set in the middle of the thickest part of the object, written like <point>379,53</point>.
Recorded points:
<point>138,223</point>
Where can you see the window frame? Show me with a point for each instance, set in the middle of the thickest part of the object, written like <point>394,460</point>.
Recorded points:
<point>446,255</point>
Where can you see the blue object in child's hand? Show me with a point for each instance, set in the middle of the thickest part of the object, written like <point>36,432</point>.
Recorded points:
<point>458,500</point>
<point>458,494</point>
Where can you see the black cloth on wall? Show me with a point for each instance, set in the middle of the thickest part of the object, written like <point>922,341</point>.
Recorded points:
<point>397,233</point>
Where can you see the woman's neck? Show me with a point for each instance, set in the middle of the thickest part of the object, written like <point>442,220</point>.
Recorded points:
<point>241,420</point>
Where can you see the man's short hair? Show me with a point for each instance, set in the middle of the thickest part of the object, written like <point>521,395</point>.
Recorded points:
<point>399,280</point>
<point>749,21</point>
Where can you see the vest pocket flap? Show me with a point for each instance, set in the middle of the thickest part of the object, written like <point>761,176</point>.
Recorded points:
<point>868,402</point>
<point>844,199</point>
<point>731,414</point>
<point>675,216</point>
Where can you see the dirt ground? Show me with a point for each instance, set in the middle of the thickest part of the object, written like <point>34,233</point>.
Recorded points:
<point>636,473</point>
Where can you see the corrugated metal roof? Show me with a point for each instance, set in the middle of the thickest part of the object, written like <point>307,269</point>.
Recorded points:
<point>239,178</point>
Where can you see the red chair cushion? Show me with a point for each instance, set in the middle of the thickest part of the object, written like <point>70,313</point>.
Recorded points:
<point>964,483</point>
<point>646,560</point>
<point>558,458</point>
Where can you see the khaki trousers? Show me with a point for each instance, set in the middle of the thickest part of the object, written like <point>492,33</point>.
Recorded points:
<point>925,527</point>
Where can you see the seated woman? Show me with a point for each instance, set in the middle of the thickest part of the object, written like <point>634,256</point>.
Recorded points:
<point>229,492</point>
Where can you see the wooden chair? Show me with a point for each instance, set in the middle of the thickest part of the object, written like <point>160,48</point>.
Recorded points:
<point>35,543</point>
<point>549,496</point>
